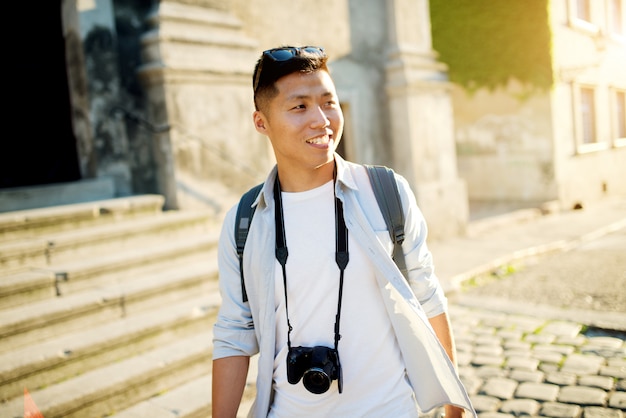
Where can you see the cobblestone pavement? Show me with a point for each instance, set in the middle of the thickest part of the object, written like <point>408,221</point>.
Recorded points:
<point>514,365</point>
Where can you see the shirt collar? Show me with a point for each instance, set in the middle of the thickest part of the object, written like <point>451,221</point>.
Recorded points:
<point>345,179</point>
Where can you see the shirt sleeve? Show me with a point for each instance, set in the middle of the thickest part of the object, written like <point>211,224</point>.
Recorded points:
<point>233,332</point>
<point>419,260</point>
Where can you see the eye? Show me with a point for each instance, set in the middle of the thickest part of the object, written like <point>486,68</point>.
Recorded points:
<point>300,106</point>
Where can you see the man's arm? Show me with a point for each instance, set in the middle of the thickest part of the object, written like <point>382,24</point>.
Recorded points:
<point>229,381</point>
<point>441,325</point>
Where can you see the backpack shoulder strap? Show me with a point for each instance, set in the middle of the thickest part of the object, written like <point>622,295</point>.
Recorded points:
<point>385,188</point>
<point>245,212</point>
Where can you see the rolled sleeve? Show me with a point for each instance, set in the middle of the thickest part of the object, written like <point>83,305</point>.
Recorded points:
<point>233,332</point>
<point>419,260</point>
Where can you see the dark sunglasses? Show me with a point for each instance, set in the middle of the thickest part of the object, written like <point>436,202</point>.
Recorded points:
<point>285,54</point>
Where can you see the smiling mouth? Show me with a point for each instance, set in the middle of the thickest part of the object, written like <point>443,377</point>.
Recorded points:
<point>320,140</point>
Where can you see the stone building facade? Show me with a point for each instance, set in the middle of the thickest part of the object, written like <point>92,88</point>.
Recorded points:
<point>566,145</point>
<point>159,95</point>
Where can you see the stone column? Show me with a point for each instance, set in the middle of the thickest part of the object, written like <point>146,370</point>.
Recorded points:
<point>421,119</point>
<point>197,72</point>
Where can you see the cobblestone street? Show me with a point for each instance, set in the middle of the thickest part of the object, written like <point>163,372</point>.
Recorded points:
<point>516,365</point>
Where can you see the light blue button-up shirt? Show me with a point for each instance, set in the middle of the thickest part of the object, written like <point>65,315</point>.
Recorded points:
<point>246,329</point>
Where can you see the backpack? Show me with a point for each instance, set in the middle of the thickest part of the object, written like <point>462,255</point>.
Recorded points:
<point>386,191</point>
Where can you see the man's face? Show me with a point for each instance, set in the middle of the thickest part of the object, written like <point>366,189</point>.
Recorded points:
<point>303,122</point>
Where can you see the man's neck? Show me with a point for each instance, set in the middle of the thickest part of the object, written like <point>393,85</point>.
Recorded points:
<point>302,180</point>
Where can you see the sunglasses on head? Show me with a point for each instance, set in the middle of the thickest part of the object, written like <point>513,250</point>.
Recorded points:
<point>285,54</point>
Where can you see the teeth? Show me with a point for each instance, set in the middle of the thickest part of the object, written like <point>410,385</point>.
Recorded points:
<point>318,140</point>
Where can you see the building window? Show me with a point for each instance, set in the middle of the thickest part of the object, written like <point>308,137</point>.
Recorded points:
<point>583,10</point>
<point>620,114</point>
<point>580,15</point>
<point>617,24</point>
<point>588,115</point>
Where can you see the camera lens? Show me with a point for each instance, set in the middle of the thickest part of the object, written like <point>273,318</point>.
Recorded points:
<point>316,381</point>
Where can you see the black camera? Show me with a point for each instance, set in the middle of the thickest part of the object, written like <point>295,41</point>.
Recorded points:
<point>316,366</point>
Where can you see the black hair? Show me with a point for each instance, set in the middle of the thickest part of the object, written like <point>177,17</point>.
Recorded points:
<point>272,71</point>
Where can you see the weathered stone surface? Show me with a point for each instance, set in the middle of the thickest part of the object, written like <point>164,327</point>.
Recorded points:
<point>540,338</point>
<point>549,367</point>
<point>560,410</point>
<point>495,415</point>
<point>538,391</point>
<point>548,357</point>
<point>605,352</point>
<point>576,341</point>
<point>517,353</point>
<point>487,360</point>
<point>554,348</point>
<point>492,350</point>
<point>596,412</point>
<point>488,339</point>
<point>500,388</point>
<point>606,342</point>
<point>562,329</point>
<point>483,330</point>
<point>486,372</point>
<point>519,407</point>
<point>583,396</point>
<point>618,372</point>
<point>510,335</point>
<point>527,375</point>
<point>561,378</point>
<point>602,382</point>
<point>517,345</point>
<point>483,403</point>
<point>617,362</point>
<point>472,384</point>
<point>526,323</point>
<point>464,358</point>
<point>618,400</point>
<point>522,363</point>
<point>583,364</point>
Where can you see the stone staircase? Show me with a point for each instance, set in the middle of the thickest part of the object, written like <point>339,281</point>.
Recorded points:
<point>106,309</point>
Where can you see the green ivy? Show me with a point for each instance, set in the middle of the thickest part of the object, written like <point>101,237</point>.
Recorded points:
<point>487,43</point>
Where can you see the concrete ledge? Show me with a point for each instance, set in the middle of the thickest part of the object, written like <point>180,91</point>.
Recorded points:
<point>34,222</point>
<point>30,197</point>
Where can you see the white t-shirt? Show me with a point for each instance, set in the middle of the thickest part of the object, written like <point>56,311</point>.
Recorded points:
<point>374,381</point>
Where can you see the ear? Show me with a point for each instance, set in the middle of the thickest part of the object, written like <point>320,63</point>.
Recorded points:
<point>260,122</point>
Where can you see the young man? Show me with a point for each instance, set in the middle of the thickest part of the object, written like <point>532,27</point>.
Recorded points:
<point>334,339</point>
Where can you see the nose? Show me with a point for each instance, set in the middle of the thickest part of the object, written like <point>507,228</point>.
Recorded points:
<point>319,119</point>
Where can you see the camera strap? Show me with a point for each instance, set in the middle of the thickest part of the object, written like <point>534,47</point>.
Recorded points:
<point>341,253</point>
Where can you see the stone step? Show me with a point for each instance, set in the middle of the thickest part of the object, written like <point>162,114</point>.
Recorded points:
<point>39,321</point>
<point>43,364</point>
<point>191,400</point>
<point>105,305</point>
<point>118,385</point>
<point>35,222</point>
<point>46,195</point>
<point>65,278</point>
<point>17,255</point>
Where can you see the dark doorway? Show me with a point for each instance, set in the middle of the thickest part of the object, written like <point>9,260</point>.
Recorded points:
<point>39,146</point>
